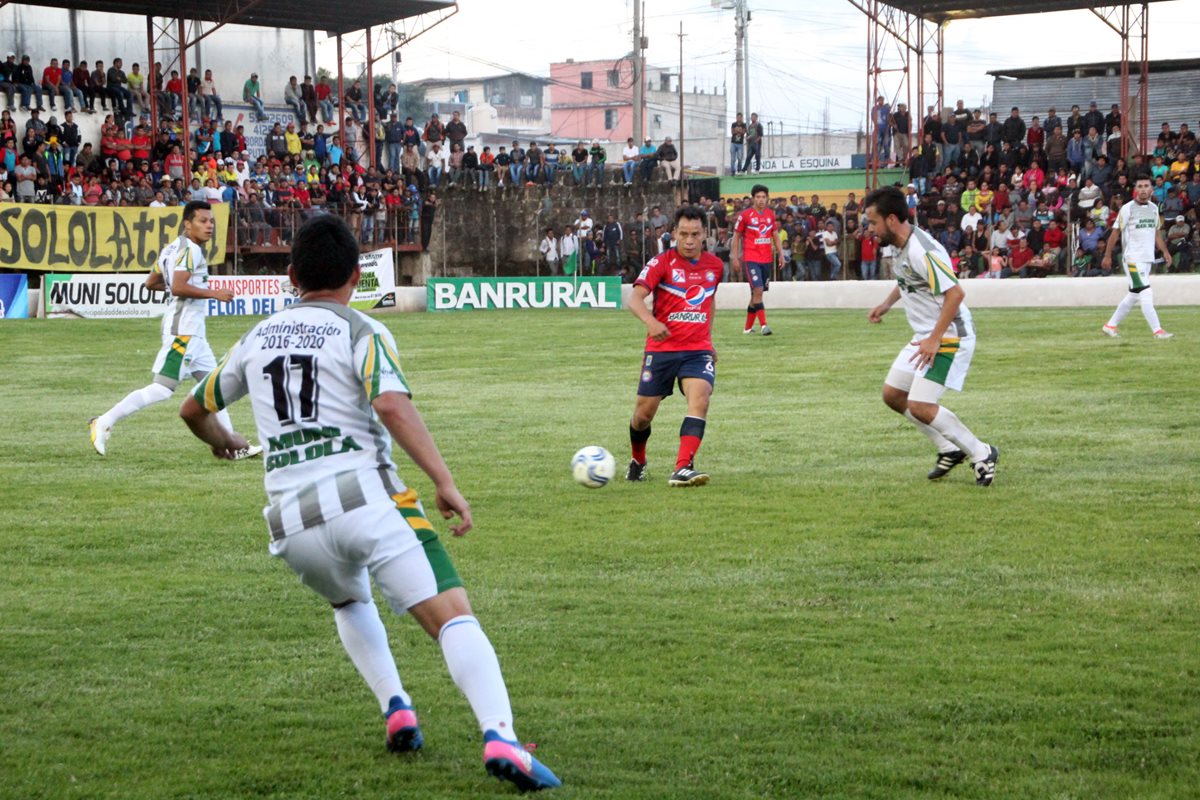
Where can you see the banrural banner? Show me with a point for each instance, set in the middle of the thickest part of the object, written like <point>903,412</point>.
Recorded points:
<point>97,239</point>
<point>472,294</point>
<point>109,296</point>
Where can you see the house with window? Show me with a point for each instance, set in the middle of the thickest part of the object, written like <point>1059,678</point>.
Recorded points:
<point>516,101</point>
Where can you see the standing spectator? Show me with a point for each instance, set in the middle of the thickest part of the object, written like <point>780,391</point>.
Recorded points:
<point>252,94</point>
<point>293,99</point>
<point>869,267</point>
<point>549,250</point>
<point>901,125</point>
<point>614,239</point>
<point>754,137</point>
<point>1013,130</point>
<point>228,141</point>
<point>881,118</point>
<point>117,90</point>
<point>393,132</point>
<point>977,131</point>
<point>7,85</point>
<point>28,86</point>
<point>932,125</point>
<point>26,176</point>
<point>829,241</point>
<point>195,102</point>
<point>1112,121</point>
<point>668,156</point>
<point>952,142</point>
<point>1093,118</point>
<point>1056,150</point>
<point>354,102</point>
<point>308,95</point>
<point>456,131</point>
<point>737,144</point>
<point>210,97</point>
<point>325,100</point>
<point>434,133</point>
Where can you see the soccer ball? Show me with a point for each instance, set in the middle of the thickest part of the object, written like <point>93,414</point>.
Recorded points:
<point>593,467</point>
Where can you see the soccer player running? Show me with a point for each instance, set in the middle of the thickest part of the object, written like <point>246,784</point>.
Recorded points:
<point>326,388</point>
<point>182,271</point>
<point>679,346</point>
<point>1138,222</point>
<point>939,354</point>
<point>754,234</point>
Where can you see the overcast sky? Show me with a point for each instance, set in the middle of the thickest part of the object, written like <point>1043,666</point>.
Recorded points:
<point>803,53</point>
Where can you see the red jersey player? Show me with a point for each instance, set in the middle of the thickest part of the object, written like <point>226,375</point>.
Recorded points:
<point>754,233</point>
<point>678,343</point>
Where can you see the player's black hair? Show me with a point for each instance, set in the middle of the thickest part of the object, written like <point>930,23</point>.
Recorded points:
<point>758,187</point>
<point>324,253</point>
<point>1142,176</point>
<point>688,211</point>
<point>189,211</point>
<point>888,200</point>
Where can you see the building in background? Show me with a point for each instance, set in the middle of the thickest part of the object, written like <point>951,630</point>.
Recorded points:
<point>510,104</point>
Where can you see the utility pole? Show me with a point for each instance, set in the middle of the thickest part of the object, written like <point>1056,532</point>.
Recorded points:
<point>639,83</point>
<point>746,52</point>
<point>739,7</point>
<point>681,161</point>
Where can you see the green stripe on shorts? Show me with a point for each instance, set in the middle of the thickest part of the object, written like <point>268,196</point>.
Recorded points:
<point>173,364</point>
<point>439,560</point>
<point>940,369</point>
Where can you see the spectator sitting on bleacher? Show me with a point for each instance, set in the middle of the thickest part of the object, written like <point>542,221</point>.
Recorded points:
<point>293,99</point>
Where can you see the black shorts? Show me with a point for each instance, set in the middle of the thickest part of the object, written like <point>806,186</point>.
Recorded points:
<point>661,371</point>
<point>758,275</point>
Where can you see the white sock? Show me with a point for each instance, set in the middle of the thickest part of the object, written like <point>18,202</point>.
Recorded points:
<point>476,671</point>
<point>942,444</point>
<point>1124,307</point>
<point>133,402</point>
<point>950,426</point>
<point>223,418</point>
<point>1148,311</point>
<point>366,642</point>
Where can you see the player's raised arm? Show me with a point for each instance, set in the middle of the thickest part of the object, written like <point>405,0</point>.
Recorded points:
<point>398,414</point>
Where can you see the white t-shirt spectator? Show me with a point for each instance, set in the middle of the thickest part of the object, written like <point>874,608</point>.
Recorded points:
<point>972,220</point>
<point>999,239</point>
<point>583,226</point>
<point>630,153</point>
<point>830,240</point>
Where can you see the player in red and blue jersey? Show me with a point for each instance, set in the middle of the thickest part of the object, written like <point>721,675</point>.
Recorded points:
<point>754,234</point>
<point>679,345</point>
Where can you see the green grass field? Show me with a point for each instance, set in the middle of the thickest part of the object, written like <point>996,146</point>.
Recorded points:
<point>818,622</point>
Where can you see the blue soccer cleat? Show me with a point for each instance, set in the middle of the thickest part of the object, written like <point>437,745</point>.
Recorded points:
<point>403,732</point>
<point>509,761</point>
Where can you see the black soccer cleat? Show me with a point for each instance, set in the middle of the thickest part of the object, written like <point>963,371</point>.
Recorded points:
<point>686,476</point>
<point>985,470</point>
<point>946,462</point>
<point>636,471</point>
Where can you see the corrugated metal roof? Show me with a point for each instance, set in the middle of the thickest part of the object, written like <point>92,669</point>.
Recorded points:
<point>938,10</point>
<point>1173,99</point>
<point>315,15</point>
<point>1162,65</point>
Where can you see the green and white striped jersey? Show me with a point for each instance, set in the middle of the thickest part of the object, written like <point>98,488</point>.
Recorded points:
<point>185,315</point>
<point>312,371</point>
<point>923,272</point>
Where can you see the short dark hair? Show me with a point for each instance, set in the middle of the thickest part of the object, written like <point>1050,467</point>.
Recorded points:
<point>888,201</point>
<point>688,211</point>
<point>189,211</point>
<point>324,253</point>
<point>758,187</point>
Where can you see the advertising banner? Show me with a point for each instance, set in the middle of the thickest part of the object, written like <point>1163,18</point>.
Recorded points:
<point>14,297</point>
<point>472,294</point>
<point>96,239</point>
<point>109,296</point>
<point>804,163</point>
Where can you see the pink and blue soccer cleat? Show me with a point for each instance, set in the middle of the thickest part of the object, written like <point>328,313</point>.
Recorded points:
<point>510,761</point>
<point>403,733</point>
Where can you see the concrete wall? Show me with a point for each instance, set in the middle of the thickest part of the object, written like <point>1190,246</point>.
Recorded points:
<point>497,233</point>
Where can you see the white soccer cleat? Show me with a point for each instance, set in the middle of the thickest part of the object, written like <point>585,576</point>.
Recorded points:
<point>100,433</point>
<point>748,330</point>
<point>766,331</point>
<point>1111,330</point>
<point>247,452</point>
<point>1161,334</point>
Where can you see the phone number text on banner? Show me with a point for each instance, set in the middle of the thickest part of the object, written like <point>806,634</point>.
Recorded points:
<point>78,239</point>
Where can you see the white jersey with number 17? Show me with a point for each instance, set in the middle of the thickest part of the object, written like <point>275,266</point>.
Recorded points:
<point>312,371</point>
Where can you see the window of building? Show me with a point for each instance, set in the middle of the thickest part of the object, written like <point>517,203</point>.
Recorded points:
<point>585,80</point>
<point>614,78</point>
<point>610,118</point>
<point>462,96</point>
<point>658,120</point>
<point>527,101</point>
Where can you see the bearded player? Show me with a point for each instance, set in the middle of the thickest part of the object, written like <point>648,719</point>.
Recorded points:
<point>939,353</point>
<point>679,346</point>
<point>754,234</point>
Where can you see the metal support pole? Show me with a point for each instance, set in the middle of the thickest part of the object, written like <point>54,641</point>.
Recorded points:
<point>681,34</point>
<point>1144,83</point>
<point>371,105</point>
<point>149,79</point>
<point>341,96</point>
<point>187,118</point>
<point>639,86</point>
<point>739,61</point>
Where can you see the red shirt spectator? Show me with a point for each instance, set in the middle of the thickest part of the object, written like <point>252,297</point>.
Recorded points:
<point>1053,237</point>
<point>324,90</point>
<point>141,145</point>
<point>1020,255</point>
<point>52,76</point>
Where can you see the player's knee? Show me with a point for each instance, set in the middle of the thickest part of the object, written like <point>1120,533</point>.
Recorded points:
<point>895,399</point>
<point>922,412</point>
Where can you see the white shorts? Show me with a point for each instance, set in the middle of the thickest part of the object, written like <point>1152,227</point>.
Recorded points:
<point>948,370</point>
<point>336,558</point>
<point>1138,274</point>
<point>181,357</point>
